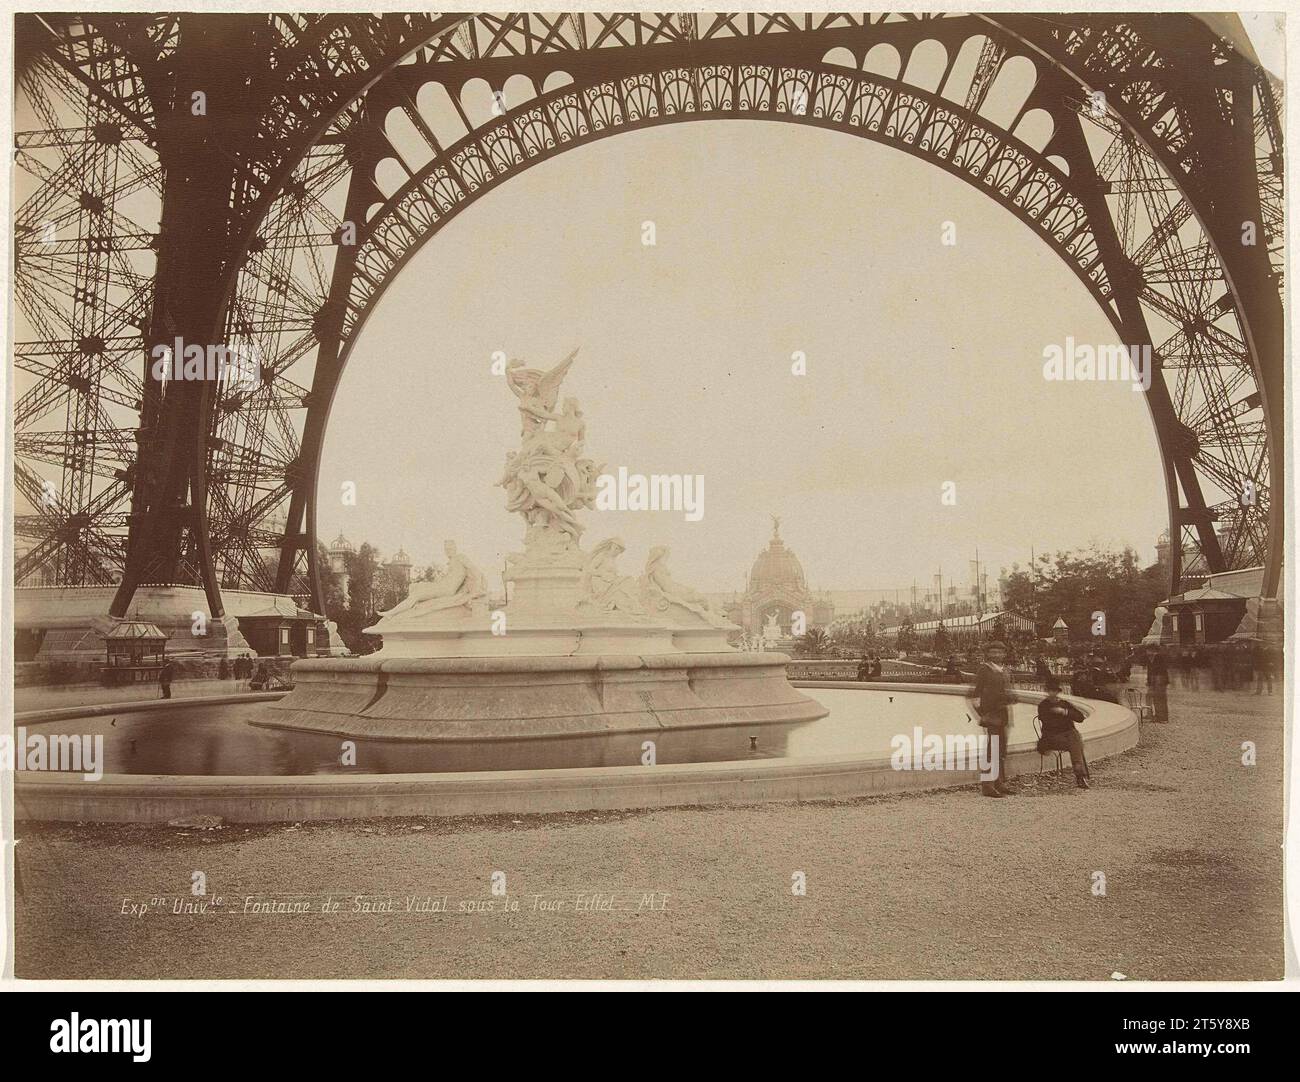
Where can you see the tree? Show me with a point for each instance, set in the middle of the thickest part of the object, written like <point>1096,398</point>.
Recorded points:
<point>856,637</point>
<point>334,601</point>
<point>358,612</point>
<point>336,606</point>
<point>370,589</point>
<point>814,643</point>
<point>363,568</point>
<point>1078,583</point>
<point>906,638</point>
<point>942,640</point>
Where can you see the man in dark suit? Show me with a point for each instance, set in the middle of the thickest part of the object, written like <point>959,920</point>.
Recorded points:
<point>1158,683</point>
<point>1060,733</point>
<point>1103,679</point>
<point>165,676</point>
<point>1092,680</point>
<point>993,705</point>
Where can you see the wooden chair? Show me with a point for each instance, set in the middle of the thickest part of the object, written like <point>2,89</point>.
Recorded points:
<point>1139,701</point>
<point>1060,760</point>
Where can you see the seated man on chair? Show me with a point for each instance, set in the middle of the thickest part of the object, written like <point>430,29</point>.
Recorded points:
<point>1060,733</point>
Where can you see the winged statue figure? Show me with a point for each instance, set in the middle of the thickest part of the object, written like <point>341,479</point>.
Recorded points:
<point>537,391</point>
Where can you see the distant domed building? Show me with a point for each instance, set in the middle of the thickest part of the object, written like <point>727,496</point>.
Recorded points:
<point>777,587</point>
<point>338,554</point>
<point>399,569</point>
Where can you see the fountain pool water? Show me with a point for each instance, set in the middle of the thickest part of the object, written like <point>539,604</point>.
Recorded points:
<point>226,740</point>
<point>169,763</point>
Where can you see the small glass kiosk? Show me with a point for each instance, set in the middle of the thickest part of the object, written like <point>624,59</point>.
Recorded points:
<point>134,653</point>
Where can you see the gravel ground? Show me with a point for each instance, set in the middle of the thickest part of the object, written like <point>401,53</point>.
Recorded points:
<point>935,885</point>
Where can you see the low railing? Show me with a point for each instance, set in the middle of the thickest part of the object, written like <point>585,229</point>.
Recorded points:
<point>847,669</point>
<point>906,671</point>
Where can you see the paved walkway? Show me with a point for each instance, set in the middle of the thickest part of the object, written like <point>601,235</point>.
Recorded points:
<point>937,885</point>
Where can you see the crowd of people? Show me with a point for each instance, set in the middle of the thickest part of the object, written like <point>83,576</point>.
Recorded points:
<point>1221,666</point>
<point>1102,671</point>
<point>1103,674</point>
<point>869,668</point>
<point>260,676</point>
<point>1096,672</point>
<point>1227,667</point>
<point>241,668</point>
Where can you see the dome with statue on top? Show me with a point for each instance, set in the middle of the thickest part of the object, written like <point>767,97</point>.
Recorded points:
<point>777,594</point>
<point>776,567</point>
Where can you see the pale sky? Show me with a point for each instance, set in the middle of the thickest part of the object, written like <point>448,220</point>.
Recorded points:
<point>924,365</point>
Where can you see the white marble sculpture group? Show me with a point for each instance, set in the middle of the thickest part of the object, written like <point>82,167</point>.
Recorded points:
<point>548,481</point>
<point>578,649</point>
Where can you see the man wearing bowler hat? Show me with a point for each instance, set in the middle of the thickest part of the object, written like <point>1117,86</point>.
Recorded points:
<point>993,705</point>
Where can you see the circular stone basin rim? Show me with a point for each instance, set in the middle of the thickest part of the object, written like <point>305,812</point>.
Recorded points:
<point>261,798</point>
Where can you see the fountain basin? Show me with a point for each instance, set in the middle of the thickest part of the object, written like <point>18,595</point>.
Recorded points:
<point>218,764</point>
<point>524,697</point>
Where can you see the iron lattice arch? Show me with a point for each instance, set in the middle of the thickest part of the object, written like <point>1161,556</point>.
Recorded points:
<point>1142,192</point>
<point>135,211</point>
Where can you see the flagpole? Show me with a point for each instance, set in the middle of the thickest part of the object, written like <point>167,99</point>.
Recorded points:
<point>1033,585</point>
